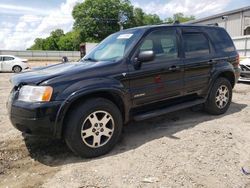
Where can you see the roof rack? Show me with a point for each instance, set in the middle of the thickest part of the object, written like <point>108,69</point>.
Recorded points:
<point>175,22</point>
<point>213,24</point>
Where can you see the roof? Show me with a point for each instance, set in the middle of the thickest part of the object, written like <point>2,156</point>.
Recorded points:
<point>145,27</point>
<point>8,55</point>
<point>221,14</point>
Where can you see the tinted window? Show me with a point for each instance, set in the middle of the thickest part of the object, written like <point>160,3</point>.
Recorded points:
<point>163,43</point>
<point>6,58</point>
<point>195,44</point>
<point>1,58</point>
<point>221,40</point>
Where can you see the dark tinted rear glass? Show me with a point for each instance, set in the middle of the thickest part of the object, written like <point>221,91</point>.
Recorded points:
<point>221,39</point>
<point>195,44</point>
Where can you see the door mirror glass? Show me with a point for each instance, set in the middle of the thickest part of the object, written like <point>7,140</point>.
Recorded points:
<point>146,56</point>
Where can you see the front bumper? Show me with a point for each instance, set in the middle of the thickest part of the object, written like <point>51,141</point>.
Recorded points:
<point>33,118</point>
<point>245,73</point>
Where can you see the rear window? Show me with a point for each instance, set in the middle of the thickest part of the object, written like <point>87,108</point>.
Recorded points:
<point>195,45</point>
<point>221,40</point>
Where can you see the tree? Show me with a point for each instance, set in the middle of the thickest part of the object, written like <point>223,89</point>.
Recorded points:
<point>38,45</point>
<point>98,19</point>
<point>70,41</point>
<point>179,17</point>
<point>141,18</point>
<point>138,17</point>
<point>151,19</point>
<point>49,43</point>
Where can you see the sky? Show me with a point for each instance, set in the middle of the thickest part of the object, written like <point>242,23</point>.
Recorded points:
<point>22,21</point>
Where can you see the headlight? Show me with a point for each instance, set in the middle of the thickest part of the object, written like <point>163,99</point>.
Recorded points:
<point>35,93</point>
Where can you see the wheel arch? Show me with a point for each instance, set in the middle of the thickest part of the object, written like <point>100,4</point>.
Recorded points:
<point>16,66</point>
<point>110,95</point>
<point>228,75</point>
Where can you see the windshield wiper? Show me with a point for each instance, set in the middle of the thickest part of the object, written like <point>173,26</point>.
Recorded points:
<point>90,59</point>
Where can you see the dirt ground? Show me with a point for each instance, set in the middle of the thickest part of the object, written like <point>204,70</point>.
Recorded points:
<point>183,149</point>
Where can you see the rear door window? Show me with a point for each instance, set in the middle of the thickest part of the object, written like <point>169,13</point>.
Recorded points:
<point>195,45</point>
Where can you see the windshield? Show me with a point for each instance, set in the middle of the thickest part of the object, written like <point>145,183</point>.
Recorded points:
<point>114,47</point>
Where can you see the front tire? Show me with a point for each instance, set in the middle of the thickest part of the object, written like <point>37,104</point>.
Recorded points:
<point>220,97</point>
<point>93,127</point>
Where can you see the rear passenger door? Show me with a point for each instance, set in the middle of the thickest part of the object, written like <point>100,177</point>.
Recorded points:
<point>197,61</point>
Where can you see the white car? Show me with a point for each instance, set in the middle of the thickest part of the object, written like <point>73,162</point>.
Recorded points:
<point>11,63</point>
<point>245,69</point>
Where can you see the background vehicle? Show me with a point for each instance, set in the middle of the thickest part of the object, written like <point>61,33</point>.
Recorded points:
<point>245,70</point>
<point>133,75</point>
<point>11,63</point>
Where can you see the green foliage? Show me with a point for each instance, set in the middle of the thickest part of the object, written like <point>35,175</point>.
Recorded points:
<point>180,17</point>
<point>50,43</point>
<point>58,41</point>
<point>96,19</point>
<point>140,18</point>
<point>39,43</point>
<point>70,41</point>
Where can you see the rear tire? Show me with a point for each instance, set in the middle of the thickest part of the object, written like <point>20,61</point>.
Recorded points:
<point>93,127</point>
<point>17,69</point>
<point>220,97</point>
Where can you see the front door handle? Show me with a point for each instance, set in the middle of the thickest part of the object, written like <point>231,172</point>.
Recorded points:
<point>174,68</point>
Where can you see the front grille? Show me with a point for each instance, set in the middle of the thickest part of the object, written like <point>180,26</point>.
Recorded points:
<point>245,67</point>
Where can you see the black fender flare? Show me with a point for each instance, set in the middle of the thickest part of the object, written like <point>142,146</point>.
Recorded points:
<point>123,94</point>
<point>216,75</point>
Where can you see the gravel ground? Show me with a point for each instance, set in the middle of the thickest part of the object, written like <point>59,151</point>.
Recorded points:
<point>183,149</point>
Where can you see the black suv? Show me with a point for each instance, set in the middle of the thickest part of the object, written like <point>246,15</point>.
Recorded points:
<point>134,74</point>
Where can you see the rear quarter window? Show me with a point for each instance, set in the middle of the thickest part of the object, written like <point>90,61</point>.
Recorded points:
<point>221,40</point>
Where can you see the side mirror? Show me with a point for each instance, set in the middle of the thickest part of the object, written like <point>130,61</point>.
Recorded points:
<point>144,56</point>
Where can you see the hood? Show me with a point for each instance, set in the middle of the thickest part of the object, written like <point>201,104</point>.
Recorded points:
<point>39,75</point>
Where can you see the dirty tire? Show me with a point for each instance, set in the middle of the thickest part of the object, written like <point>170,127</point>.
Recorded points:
<point>216,103</point>
<point>17,69</point>
<point>85,121</point>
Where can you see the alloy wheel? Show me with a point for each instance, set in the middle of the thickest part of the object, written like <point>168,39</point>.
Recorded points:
<point>97,129</point>
<point>222,96</point>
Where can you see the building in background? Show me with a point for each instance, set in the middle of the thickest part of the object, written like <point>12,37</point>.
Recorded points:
<point>237,24</point>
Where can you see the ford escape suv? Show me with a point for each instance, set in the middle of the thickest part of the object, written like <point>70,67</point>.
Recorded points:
<point>134,74</point>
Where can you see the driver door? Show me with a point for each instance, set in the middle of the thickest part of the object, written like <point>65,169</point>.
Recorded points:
<point>7,63</point>
<point>161,78</point>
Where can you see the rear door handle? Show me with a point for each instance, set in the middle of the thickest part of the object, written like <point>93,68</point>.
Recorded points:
<point>174,68</point>
<point>211,62</point>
